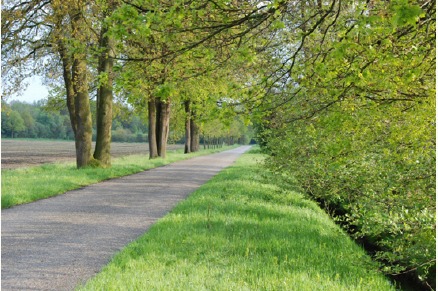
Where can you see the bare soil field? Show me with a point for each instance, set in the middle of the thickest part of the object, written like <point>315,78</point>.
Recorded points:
<point>25,153</point>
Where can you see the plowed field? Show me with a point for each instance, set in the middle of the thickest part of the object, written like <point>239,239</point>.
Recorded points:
<point>24,153</point>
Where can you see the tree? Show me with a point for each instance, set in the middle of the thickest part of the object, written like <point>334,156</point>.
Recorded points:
<point>34,31</point>
<point>80,35</point>
<point>15,123</point>
<point>191,38</point>
<point>105,90</point>
<point>41,28</point>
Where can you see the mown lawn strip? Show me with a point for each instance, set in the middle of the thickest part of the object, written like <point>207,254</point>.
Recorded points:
<point>242,231</point>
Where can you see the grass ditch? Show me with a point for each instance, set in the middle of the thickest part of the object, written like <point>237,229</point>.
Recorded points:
<point>25,185</point>
<point>242,230</point>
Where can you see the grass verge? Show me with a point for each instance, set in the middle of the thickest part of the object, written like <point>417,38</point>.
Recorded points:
<point>242,231</point>
<point>26,185</point>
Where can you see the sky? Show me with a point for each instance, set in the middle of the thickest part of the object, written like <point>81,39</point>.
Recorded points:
<point>34,92</point>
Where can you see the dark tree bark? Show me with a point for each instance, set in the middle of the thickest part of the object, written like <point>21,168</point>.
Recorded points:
<point>187,146</point>
<point>194,135</point>
<point>159,119</point>
<point>163,130</point>
<point>83,115</point>
<point>152,132</point>
<point>105,102</point>
<point>68,83</point>
<point>158,126</point>
<point>191,129</point>
<point>80,87</point>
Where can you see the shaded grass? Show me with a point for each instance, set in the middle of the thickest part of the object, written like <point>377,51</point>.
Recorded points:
<point>242,231</point>
<point>26,185</point>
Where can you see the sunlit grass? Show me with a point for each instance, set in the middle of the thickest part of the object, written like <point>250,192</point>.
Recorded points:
<point>26,185</point>
<point>242,231</point>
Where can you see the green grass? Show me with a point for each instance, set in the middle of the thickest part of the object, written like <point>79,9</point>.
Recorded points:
<point>26,185</point>
<point>242,231</point>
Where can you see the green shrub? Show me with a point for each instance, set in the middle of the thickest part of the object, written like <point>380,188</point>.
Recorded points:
<point>378,167</point>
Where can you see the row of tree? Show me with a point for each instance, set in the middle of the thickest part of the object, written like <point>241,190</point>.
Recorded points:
<point>342,92</point>
<point>78,43</point>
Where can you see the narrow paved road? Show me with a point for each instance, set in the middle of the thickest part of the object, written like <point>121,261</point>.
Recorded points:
<point>58,243</point>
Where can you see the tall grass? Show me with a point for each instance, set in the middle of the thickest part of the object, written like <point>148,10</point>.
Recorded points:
<point>242,231</point>
<point>26,185</point>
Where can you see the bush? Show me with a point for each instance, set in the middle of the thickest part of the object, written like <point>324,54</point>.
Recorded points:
<point>125,135</point>
<point>120,135</point>
<point>377,167</point>
<point>141,137</point>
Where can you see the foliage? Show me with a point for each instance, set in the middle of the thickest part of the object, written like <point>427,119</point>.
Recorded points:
<point>242,231</point>
<point>37,122</point>
<point>366,164</point>
<point>357,128</point>
<point>13,122</point>
<point>44,120</point>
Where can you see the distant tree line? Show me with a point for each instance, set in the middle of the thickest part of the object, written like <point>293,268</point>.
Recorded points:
<point>22,120</point>
<point>38,120</point>
<point>43,119</point>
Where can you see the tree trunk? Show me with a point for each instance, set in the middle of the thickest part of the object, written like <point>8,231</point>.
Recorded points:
<point>158,126</point>
<point>105,102</point>
<point>68,83</point>
<point>194,129</point>
<point>152,133</point>
<point>159,119</point>
<point>164,121</point>
<point>83,115</point>
<point>80,86</point>
<point>187,146</point>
